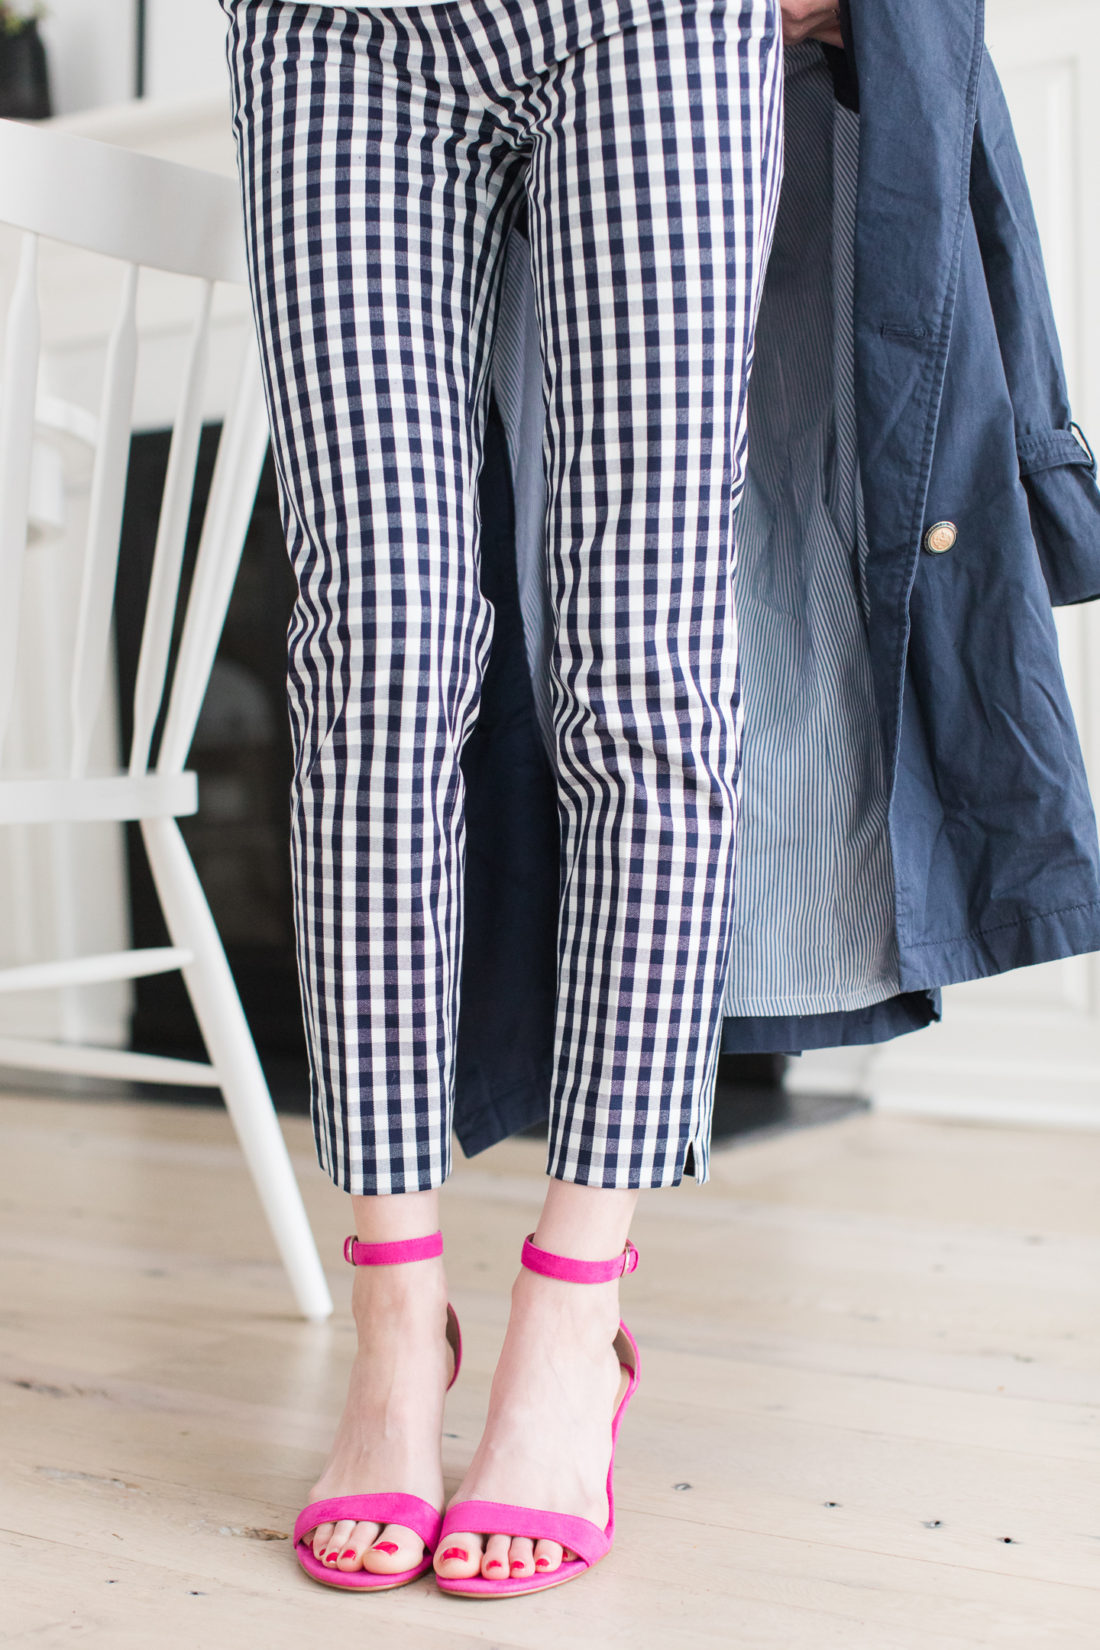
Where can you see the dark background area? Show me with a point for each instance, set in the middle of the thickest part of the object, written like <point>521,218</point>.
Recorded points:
<point>239,839</point>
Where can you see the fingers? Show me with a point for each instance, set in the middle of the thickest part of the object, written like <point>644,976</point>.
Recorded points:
<point>811,20</point>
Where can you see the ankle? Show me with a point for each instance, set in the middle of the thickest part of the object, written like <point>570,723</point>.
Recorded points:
<point>576,1310</point>
<point>416,1293</point>
<point>585,1222</point>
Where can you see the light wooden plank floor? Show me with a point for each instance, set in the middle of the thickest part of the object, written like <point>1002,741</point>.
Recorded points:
<point>868,1417</point>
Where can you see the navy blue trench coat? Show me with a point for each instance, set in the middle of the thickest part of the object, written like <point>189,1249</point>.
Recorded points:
<point>963,425</point>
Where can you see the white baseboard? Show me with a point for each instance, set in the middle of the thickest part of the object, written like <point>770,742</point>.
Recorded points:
<point>830,1071</point>
<point>1046,1094</point>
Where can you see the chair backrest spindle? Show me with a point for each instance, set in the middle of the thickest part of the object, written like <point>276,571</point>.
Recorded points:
<point>17,401</point>
<point>179,485</point>
<point>97,590</point>
<point>241,453</point>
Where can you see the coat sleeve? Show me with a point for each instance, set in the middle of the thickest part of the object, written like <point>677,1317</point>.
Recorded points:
<point>1056,464</point>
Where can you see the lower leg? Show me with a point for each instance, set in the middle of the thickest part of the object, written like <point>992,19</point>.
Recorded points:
<point>584,1222</point>
<point>388,1436</point>
<point>547,1439</point>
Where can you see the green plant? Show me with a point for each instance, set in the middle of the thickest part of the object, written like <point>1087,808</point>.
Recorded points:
<point>14,18</point>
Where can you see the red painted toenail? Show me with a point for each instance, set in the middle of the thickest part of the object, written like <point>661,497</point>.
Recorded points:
<point>385,1546</point>
<point>517,1564</point>
<point>348,1552</point>
<point>542,1564</point>
<point>494,1564</point>
<point>456,1552</point>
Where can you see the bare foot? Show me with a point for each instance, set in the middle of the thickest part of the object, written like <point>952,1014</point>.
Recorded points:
<point>547,1440</point>
<point>389,1433</point>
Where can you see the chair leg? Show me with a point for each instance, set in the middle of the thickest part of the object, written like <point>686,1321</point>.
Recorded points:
<point>233,1056</point>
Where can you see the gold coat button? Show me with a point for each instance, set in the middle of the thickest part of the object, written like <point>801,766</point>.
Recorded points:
<point>940,537</point>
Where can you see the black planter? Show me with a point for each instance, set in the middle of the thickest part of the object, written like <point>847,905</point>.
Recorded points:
<point>24,79</point>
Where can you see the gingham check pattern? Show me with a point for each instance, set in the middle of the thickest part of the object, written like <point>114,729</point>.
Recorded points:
<point>383,156</point>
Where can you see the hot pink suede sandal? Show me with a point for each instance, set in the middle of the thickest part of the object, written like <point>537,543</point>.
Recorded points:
<point>579,1535</point>
<point>408,1510</point>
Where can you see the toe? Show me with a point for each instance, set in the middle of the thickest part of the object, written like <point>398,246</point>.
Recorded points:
<point>393,1550</point>
<point>548,1556</point>
<point>320,1540</point>
<point>458,1556</point>
<point>494,1565</point>
<point>337,1542</point>
<point>521,1559</point>
<point>349,1554</point>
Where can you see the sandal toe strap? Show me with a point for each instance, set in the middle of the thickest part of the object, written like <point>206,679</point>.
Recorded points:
<point>580,1535</point>
<point>407,1510</point>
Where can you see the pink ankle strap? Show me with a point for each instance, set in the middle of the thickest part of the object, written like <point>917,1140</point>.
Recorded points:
<point>577,1271</point>
<point>392,1254</point>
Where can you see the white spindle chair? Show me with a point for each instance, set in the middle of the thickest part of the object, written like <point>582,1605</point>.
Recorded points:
<point>153,214</point>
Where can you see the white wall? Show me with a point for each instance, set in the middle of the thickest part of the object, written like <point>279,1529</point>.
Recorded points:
<point>91,51</point>
<point>184,48</point>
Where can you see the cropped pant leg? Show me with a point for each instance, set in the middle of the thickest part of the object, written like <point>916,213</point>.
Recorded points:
<point>654,181</point>
<point>383,154</point>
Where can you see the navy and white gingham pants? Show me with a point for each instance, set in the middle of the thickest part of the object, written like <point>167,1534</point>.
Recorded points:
<point>383,156</point>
